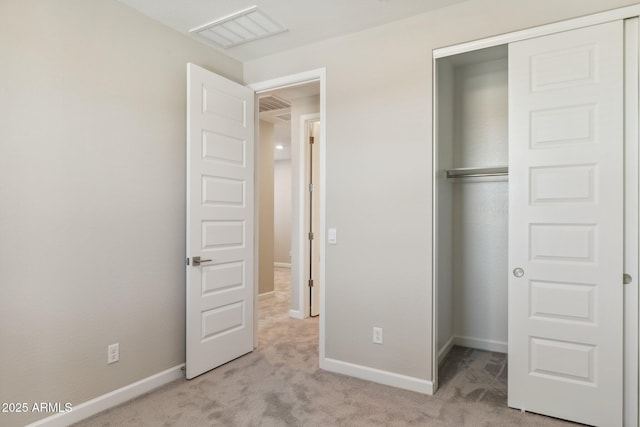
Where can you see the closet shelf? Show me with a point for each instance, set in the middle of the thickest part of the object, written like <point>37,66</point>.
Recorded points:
<point>478,172</point>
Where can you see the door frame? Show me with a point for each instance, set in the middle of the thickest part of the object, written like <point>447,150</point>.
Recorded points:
<point>631,224</point>
<point>280,83</point>
<point>631,182</point>
<point>303,207</point>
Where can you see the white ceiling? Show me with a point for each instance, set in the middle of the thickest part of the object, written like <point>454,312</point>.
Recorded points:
<point>308,21</point>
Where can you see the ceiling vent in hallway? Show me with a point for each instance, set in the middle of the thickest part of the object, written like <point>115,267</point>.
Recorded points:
<point>239,28</point>
<point>271,103</point>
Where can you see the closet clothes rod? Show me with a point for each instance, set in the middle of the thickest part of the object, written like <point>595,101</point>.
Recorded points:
<point>478,172</point>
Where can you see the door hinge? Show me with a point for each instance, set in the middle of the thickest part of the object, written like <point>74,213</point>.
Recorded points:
<point>311,236</point>
<point>311,140</point>
<point>311,188</point>
<point>311,283</point>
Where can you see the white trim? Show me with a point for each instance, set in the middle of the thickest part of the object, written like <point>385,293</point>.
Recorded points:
<point>296,314</point>
<point>631,217</point>
<point>481,344</point>
<point>294,80</point>
<point>543,30</point>
<point>111,399</point>
<point>256,222</point>
<point>323,210</point>
<point>434,228</point>
<point>444,351</point>
<point>290,80</point>
<point>378,376</point>
<point>282,264</point>
<point>266,295</point>
<point>304,299</point>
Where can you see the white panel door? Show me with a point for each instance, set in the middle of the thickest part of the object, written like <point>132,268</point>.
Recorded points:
<point>219,220</point>
<point>565,225</point>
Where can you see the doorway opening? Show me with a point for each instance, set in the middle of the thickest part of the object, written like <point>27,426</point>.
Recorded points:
<point>311,128</point>
<point>290,208</point>
<point>472,224</point>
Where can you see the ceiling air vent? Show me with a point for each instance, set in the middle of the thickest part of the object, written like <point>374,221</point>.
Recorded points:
<point>240,27</point>
<point>270,103</point>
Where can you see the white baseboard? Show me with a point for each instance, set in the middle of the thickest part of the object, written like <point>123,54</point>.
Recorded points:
<point>282,264</point>
<point>481,344</point>
<point>266,295</point>
<point>296,314</point>
<point>377,376</point>
<point>111,399</point>
<point>445,350</point>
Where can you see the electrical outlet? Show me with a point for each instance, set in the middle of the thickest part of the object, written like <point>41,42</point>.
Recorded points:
<point>113,353</point>
<point>377,335</point>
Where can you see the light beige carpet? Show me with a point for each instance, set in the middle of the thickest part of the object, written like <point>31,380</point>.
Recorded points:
<point>279,384</point>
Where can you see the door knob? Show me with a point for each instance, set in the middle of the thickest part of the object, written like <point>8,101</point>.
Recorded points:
<point>626,279</point>
<point>197,261</point>
<point>518,272</point>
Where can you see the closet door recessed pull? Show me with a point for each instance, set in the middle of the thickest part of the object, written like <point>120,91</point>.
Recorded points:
<point>518,272</point>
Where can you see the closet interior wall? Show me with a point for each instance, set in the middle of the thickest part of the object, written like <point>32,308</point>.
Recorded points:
<point>472,223</point>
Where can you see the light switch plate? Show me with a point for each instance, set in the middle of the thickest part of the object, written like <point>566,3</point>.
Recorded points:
<point>113,353</point>
<point>332,236</point>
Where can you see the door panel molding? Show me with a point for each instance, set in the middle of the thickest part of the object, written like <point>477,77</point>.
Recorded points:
<point>220,212</point>
<point>631,220</point>
<point>568,363</point>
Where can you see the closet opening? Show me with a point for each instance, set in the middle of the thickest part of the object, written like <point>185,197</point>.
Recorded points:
<point>471,228</point>
<point>535,220</point>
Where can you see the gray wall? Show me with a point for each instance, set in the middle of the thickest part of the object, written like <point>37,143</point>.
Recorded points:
<point>379,127</point>
<point>92,190</point>
<point>92,175</point>
<point>472,217</point>
<point>480,217</point>
<point>444,229</point>
<point>265,207</point>
<point>282,211</point>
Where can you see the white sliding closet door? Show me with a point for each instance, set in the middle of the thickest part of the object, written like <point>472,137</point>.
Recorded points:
<point>565,225</point>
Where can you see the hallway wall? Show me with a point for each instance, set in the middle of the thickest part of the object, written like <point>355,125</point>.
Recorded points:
<point>282,211</point>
